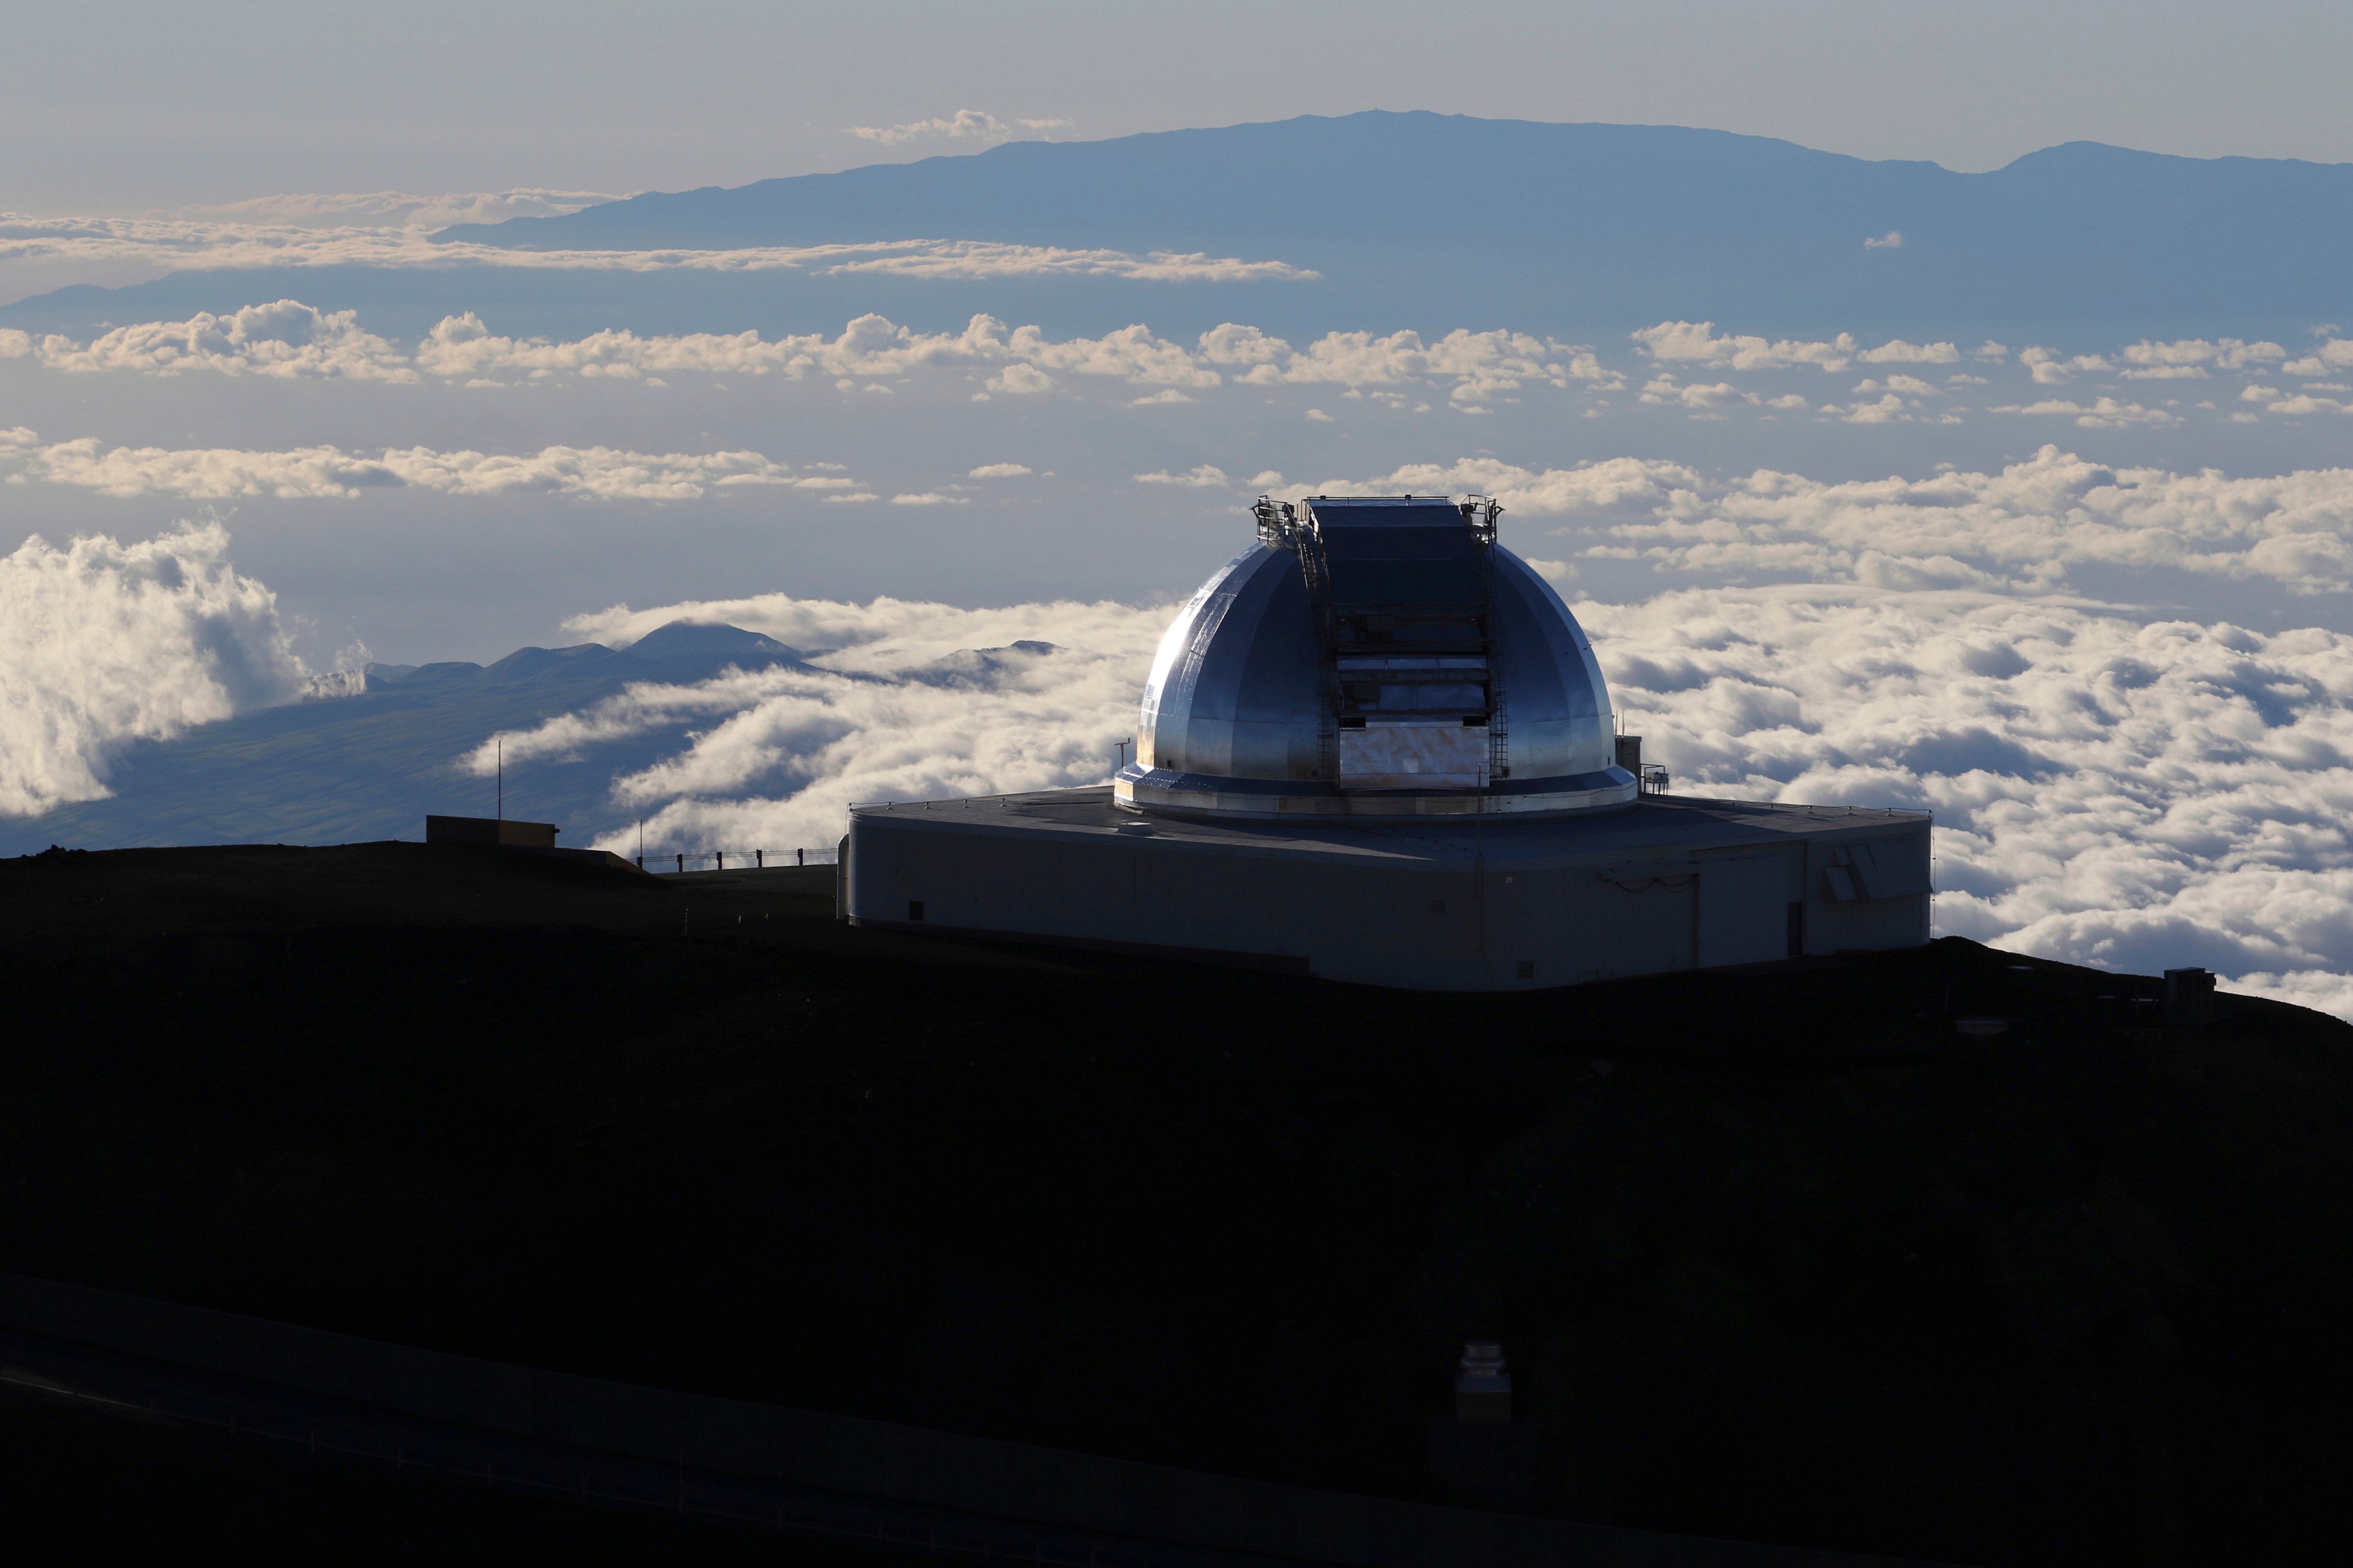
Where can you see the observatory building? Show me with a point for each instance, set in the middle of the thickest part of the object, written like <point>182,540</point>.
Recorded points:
<point>1376,746</point>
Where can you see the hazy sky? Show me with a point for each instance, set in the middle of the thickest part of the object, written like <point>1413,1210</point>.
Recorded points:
<point>137,103</point>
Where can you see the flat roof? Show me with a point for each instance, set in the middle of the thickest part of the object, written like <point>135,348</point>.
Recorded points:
<point>1655,825</point>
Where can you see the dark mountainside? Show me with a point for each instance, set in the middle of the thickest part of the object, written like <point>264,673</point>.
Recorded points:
<point>1776,1255</point>
<point>373,765</point>
<point>1431,222</point>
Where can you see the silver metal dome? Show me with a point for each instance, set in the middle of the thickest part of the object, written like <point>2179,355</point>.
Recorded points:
<point>1375,656</point>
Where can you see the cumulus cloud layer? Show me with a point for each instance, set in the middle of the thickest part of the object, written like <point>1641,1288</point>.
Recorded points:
<point>1025,360</point>
<point>2024,527</point>
<point>287,339</point>
<point>316,472</point>
<point>973,125</point>
<point>2106,791</point>
<point>1905,383</point>
<point>900,710</point>
<point>402,208</point>
<point>102,644</point>
<point>181,242</point>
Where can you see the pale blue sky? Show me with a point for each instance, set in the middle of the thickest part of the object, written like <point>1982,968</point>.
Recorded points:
<point>116,104</point>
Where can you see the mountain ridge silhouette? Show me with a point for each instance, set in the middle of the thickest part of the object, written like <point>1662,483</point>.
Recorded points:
<point>1422,221</point>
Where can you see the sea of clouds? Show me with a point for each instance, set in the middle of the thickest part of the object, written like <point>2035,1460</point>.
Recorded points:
<point>1682,368</point>
<point>2108,787</point>
<point>182,243</point>
<point>2113,784</point>
<point>2108,790</point>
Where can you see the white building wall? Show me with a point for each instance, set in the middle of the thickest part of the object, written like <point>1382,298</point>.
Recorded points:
<point>1420,922</point>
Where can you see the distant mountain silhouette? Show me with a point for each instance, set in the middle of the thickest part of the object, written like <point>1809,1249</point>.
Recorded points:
<point>981,667</point>
<point>689,641</point>
<point>1638,223</point>
<point>1431,222</point>
<point>354,768</point>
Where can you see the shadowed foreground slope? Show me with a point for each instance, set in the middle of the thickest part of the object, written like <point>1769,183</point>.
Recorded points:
<point>1778,1256</point>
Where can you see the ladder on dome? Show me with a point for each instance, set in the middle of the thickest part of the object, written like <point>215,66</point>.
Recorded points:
<point>1480,512</point>
<point>1281,527</point>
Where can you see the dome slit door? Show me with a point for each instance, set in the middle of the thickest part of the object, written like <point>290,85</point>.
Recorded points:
<point>1409,626</point>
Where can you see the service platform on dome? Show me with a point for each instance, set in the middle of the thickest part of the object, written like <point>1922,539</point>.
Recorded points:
<point>1377,746</point>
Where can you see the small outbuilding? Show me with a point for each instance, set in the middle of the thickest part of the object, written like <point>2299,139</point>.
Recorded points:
<point>496,830</point>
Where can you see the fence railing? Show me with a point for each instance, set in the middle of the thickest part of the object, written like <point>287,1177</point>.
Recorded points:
<point>741,859</point>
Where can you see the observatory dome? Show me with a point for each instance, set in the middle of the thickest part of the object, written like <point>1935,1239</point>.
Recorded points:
<point>1375,656</point>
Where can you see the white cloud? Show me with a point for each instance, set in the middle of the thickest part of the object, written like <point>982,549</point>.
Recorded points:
<point>1887,409</point>
<point>401,208</point>
<point>873,355</point>
<point>1664,391</point>
<point>1021,380</point>
<point>1707,400</point>
<point>927,498</point>
<point>2050,369</point>
<point>290,338</point>
<point>2024,527</point>
<point>287,339</point>
<point>188,243</point>
<point>2287,405</point>
<point>1895,351</point>
<point>2187,358</point>
<point>1002,471</point>
<point>103,644</point>
<point>2106,791</point>
<point>215,473</point>
<point>1202,477</point>
<point>774,756</point>
<point>972,260</point>
<point>1696,342</point>
<point>1481,365</point>
<point>2107,413</point>
<point>1892,240</point>
<point>964,125</point>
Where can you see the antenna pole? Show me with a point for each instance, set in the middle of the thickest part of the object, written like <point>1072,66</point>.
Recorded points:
<point>502,778</point>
